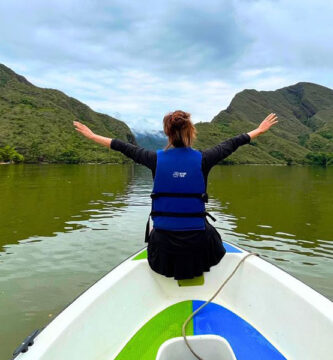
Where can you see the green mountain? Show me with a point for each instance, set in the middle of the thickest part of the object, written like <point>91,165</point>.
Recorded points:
<point>304,133</point>
<point>38,123</point>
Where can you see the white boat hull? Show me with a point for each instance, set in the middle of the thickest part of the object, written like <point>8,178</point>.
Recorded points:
<point>294,320</point>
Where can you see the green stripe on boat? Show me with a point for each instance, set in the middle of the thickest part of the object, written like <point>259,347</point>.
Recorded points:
<point>142,255</point>
<point>165,325</point>
<point>196,281</point>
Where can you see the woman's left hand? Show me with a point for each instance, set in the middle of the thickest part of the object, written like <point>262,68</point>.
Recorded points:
<point>83,129</point>
<point>265,125</point>
<point>270,120</point>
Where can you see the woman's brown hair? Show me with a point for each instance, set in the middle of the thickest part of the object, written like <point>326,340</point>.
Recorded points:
<point>179,129</point>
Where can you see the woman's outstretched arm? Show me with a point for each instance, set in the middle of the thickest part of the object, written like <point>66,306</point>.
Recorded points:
<point>84,130</point>
<point>221,151</point>
<point>138,154</point>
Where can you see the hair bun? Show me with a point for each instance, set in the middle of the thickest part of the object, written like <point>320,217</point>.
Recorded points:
<point>178,127</point>
<point>179,119</point>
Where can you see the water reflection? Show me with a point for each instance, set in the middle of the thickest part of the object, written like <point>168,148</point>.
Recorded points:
<point>37,200</point>
<point>283,213</point>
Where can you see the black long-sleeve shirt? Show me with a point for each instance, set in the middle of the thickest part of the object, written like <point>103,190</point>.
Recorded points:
<point>210,157</point>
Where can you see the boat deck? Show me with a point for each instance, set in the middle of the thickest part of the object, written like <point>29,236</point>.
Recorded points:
<point>246,342</point>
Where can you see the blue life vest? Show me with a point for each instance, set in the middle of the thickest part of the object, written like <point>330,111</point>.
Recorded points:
<point>179,192</point>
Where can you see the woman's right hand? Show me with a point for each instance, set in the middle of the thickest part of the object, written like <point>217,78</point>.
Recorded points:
<point>83,129</point>
<point>264,126</point>
<point>267,122</point>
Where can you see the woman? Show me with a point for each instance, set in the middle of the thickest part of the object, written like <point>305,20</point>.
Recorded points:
<point>182,243</point>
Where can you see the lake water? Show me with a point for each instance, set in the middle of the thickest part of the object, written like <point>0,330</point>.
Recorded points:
<point>62,227</point>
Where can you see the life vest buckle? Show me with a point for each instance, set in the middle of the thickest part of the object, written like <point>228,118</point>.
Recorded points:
<point>204,197</point>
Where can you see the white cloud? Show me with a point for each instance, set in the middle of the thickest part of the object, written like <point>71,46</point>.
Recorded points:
<point>292,34</point>
<point>137,65</point>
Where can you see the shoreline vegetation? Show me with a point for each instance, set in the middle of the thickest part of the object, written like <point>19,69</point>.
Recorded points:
<point>8,155</point>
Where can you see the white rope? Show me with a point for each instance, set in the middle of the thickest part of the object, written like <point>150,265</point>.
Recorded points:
<point>207,302</point>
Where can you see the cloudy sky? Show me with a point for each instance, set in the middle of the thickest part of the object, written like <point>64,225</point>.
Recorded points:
<point>137,60</point>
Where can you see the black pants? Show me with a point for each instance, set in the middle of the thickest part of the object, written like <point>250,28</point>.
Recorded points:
<point>184,254</point>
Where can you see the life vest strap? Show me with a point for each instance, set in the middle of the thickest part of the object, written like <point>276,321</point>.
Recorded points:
<point>202,196</point>
<point>172,214</point>
<point>175,214</point>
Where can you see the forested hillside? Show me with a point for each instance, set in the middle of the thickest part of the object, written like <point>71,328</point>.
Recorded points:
<point>304,133</point>
<point>38,123</point>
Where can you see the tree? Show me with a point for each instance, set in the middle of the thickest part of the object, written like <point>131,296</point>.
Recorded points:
<point>9,154</point>
<point>319,158</point>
